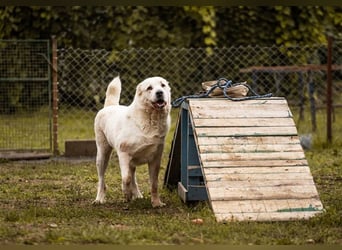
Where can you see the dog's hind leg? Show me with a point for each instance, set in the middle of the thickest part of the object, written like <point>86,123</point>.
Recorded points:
<point>102,159</point>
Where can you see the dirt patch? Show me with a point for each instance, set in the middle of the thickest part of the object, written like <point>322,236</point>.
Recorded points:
<point>23,155</point>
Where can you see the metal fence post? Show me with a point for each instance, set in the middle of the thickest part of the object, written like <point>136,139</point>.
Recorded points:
<point>329,90</point>
<point>54,96</point>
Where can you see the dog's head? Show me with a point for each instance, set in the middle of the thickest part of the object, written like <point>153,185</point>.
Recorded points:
<point>155,93</point>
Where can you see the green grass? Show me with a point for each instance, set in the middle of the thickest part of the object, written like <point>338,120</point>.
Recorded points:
<point>49,202</point>
<point>320,135</point>
<point>74,123</point>
<point>27,130</point>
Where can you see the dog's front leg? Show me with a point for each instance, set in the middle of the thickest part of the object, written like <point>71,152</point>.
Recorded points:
<point>127,174</point>
<point>134,185</point>
<point>153,168</point>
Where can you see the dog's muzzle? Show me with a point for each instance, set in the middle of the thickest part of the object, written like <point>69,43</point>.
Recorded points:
<point>160,102</point>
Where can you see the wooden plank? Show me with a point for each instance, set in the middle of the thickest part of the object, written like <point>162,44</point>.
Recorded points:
<point>289,216</point>
<point>294,204</point>
<point>246,131</point>
<point>261,206</point>
<point>254,163</point>
<point>244,122</point>
<point>228,103</point>
<point>214,113</point>
<point>220,148</point>
<point>252,156</point>
<point>222,108</point>
<point>274,205</point>
<point>249,177</point>
<point>246,140</point>
<point>256,170</point>
<point>264,193</point>
<point>258,183</point>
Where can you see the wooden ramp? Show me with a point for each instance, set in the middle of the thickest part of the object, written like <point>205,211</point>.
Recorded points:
<point>252,164</point>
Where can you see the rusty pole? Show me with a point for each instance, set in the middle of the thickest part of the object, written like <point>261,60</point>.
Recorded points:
<point>329,90</point>
<point>54,96</point>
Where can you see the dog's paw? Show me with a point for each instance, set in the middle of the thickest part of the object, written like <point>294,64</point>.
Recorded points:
<point>137,195</point>
<point>158,203</point>
<point>98,202</point>
<point>128,196</point>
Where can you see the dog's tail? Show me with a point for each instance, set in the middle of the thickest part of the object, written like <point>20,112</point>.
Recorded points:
<point>113,92</point>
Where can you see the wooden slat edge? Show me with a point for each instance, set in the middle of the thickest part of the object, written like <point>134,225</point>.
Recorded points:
<point>266,216</point>
<point>255,163</point>
<point>270,206</point>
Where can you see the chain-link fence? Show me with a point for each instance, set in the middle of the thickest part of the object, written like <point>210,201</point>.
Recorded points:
<point>83,75</point>
<point>25,95</point>
<point>289,72</point>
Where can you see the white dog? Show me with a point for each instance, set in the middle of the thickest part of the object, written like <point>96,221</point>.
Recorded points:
<point>137,132</point>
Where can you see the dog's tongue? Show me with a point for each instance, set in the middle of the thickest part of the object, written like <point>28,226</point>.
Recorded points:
<point>159,104</point>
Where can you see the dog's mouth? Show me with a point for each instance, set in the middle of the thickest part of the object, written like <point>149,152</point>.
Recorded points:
<point>160,104</point>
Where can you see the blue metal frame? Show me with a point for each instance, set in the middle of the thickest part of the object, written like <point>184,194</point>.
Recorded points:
<point>191,186</point>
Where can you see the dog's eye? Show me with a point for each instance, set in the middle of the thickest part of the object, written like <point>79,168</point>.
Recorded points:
<point>149,88</point>
<point>163,85</point>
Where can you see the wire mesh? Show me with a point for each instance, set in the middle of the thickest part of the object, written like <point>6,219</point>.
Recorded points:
<point>83,77</point>
<point>24,95</point>
<point>85,74</point>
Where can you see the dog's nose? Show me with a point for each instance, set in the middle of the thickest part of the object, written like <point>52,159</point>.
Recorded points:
<point>159,94</point>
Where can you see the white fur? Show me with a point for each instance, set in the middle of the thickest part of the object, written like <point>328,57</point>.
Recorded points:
<point>137,133</point>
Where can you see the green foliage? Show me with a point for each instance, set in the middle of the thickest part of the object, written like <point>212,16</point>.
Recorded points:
<point>243,25</point>
<point>108,27</point>
<point>20,63</point>
<point>207,20</point>
<point>23,97</point>
<point>300,25</point>
<point>282,25</point>
<point>119,27</point>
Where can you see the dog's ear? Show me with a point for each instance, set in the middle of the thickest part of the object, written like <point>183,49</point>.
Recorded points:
<point>139,90</point>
